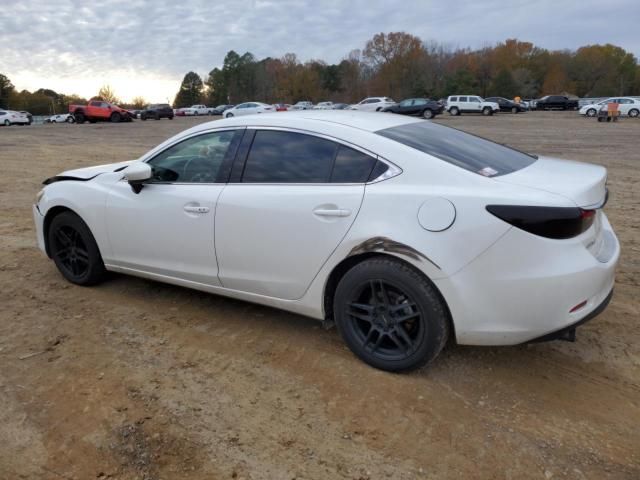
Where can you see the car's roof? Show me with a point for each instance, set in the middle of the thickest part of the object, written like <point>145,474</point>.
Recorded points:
<point>368,121</point>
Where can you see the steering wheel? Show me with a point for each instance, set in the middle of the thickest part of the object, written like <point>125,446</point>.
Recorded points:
<point>203,175</point>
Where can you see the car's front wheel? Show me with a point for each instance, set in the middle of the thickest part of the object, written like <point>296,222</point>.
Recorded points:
<point>228,115</point>
<point>390,315</point>
<point>591,112</point>
<point>115,117</point>
<point>486,111</point>
<point>74,250</point>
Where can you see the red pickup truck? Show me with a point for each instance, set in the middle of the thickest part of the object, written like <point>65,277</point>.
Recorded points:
<point>97,111</point>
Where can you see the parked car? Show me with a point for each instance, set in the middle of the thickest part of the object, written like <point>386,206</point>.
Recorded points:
<point>556,102</point>
<point>302,105</point>
<point>458,104</point>
<point>629,106</point>
<point>179,112</point>
<point>507,105</point>
<point>373,104</point>
<point>11,117</point>
<point>60,118</point>
<point>340,106</point>
<point>220,109</point>
<point>29,116</point>
<point>196,110</point>
<point>358,219</point>
<point>157,111</point>
<point>423,107</point>
<point>248,108</point>
<point>97,110</point>
<point>281,107</point>
<point>324,106</point>
<point>135,113</point>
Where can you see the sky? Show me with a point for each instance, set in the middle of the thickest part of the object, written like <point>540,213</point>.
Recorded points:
<point>144,47</point>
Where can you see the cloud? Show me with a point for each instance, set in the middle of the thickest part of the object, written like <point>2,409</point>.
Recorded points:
<point>74,43</point>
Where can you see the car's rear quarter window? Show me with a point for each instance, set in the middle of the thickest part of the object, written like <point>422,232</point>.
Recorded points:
<point>464,150</point>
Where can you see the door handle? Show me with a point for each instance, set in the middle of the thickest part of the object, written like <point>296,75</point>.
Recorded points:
<point>332,212</point>
<point>196,209</point>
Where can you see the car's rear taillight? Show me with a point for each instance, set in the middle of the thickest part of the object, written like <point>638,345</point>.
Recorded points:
<point>549,222</point>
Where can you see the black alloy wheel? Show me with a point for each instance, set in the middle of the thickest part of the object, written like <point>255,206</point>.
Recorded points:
<point>390,315</point>
<point>74,250</point>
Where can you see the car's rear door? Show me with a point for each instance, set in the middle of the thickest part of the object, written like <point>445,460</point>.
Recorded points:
<point>168,227</point>
<point>291,199</point>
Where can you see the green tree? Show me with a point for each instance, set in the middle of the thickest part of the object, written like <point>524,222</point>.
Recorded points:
<point>504,85</point>
<point>191,91</point>
<point>6,89</point>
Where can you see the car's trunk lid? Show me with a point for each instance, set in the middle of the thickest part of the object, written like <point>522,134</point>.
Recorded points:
<point>582,183</point>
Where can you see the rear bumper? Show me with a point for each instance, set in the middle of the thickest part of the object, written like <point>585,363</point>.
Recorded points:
<point>525,287</point>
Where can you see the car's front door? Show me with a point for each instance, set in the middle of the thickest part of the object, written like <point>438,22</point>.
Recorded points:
<point>280,220</point>
<point>168,227</point>
<point>474,104</point>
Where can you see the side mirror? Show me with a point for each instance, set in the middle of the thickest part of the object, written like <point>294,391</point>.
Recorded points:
<point>136,174</point>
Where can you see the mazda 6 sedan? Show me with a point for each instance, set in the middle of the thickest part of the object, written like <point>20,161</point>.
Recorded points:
<point>402,232</point>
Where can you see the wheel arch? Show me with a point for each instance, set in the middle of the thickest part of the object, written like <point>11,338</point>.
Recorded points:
<point>351,261</point>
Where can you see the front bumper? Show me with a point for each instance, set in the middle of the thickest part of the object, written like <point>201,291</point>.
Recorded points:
<point>38,219</point>
<point>525,287</point>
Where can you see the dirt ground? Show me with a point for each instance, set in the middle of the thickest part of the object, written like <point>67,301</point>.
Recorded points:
<point>139,380</point>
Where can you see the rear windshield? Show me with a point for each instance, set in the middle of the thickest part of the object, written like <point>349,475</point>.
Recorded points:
<point>467,151</point>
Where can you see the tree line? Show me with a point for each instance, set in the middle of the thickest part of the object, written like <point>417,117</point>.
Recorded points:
<point>396,64</point>
<point>401,65</point>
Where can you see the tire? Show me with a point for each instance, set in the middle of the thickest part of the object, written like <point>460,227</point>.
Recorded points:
<point>455,111</point>
<point>143,116</point>
<point>195,114</point>
<point>634,112</point>
<point>515,110</point>
<point>80,118</point>
<point>171,117</point>
<point>70,119</point>
<point>591,112</point>
<point>115,117</point>
<point>378,109</point>
<point>157,116</point>
<point>367,299</point>
<point>428,114</point>
<point>228,115</point>
<point>53,121</point>
<point>486,111</point>
<point>74,250</point>
<point>7,123</point>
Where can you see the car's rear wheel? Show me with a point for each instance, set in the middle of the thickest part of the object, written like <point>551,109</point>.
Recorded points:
<point>514,110</point>
<point>7,123</point>
<point>74,250</point>
<point>143,116</point>
<point>390,315</point>
<point>634,112</point>
<point>486,111</point>
<point>115,117</point>
<point>69,119</point>
<point>454,111</point>
<point>427,114</point>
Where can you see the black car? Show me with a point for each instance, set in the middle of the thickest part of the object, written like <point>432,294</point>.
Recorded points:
<point>423,107</point>
<point>506,105</point>
<point>340,106</point>
<point>157,111</point>
<point>220,109</point>
<point>559,102</point>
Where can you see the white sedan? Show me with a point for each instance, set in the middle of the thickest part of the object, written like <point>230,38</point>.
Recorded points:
<point>61,118</point>
<point>323,106</point>
<point>402,232</point>
<point>626,105</point>
<point>248,108</point>
<point>373,104</point>
<point>11,117</point>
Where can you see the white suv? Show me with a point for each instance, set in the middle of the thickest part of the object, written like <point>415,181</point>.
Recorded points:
<point>373,104</point>
<point>457,104</point>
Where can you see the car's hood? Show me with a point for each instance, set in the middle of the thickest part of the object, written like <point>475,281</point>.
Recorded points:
<point>90,172</point>
<point>583,183</point>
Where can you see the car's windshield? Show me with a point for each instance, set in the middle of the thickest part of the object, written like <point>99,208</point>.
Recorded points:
<point>462,149</point>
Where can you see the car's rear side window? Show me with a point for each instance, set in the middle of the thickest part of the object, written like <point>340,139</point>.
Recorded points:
<point>288,157</point>
<point>466,151</point>
<point>351,166</point>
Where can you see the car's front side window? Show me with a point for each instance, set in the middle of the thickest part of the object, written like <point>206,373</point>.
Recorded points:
<point>195,160</point>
